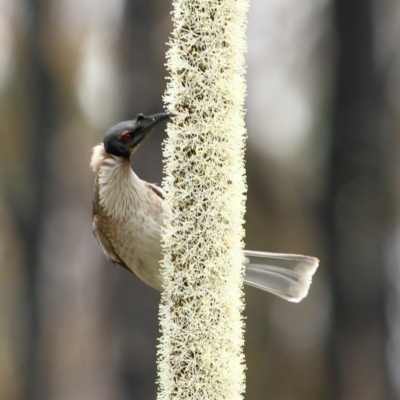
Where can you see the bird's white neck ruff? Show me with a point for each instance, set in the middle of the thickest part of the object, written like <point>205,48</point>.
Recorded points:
<point>121,192</point>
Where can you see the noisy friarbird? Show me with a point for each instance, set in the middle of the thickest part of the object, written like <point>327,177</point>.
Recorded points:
<point>128,216</point>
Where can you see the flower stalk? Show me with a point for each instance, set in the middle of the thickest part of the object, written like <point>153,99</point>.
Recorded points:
<point>200,353</point>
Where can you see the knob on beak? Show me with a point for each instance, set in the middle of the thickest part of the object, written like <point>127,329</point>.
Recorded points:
<point>149,122</point>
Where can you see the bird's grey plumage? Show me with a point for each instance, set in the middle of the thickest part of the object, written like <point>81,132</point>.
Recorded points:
<point>286,275</point>
<point>128,216</point>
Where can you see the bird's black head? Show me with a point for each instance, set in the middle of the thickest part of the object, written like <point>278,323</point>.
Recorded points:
<point>124,138</point>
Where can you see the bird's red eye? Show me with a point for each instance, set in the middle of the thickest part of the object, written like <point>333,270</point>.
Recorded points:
<point>126,137</point>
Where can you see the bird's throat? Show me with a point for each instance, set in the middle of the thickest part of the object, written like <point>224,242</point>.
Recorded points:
<point>120,191</point>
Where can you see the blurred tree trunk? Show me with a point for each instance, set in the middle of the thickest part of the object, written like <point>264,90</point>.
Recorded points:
<point>358,210</point>
<point>69,354</point>
<point>40,113</point>
<point>13,333</point>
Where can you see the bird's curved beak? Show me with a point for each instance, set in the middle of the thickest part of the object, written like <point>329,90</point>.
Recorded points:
<point>145,125</point>
<point>148,123</point>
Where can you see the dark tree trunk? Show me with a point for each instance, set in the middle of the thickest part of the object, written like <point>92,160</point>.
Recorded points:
<point>358,209</point>
<point>41,114</point>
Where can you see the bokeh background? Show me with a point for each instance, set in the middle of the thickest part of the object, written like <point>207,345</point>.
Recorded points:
<point>322,161</point>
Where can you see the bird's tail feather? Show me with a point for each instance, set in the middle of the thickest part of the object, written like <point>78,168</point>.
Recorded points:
<point>285,275</point>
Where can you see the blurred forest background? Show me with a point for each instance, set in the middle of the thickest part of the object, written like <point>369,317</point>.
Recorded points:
<point>322,159</point>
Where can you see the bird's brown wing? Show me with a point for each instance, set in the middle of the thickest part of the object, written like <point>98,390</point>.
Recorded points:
<point>106,246</point>
<point>157,190</point>
<point>101,239</point>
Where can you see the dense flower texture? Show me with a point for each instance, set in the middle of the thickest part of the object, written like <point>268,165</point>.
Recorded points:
<point>200,351</point>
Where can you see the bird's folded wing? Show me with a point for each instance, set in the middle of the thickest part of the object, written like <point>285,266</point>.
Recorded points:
<point>285,275</point>
<point>156,189</point>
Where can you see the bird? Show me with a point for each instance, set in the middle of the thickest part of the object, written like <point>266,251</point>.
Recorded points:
<point>128,217</point>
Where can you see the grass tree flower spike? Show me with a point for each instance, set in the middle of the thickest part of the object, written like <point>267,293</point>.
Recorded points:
<point>200,354</point>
